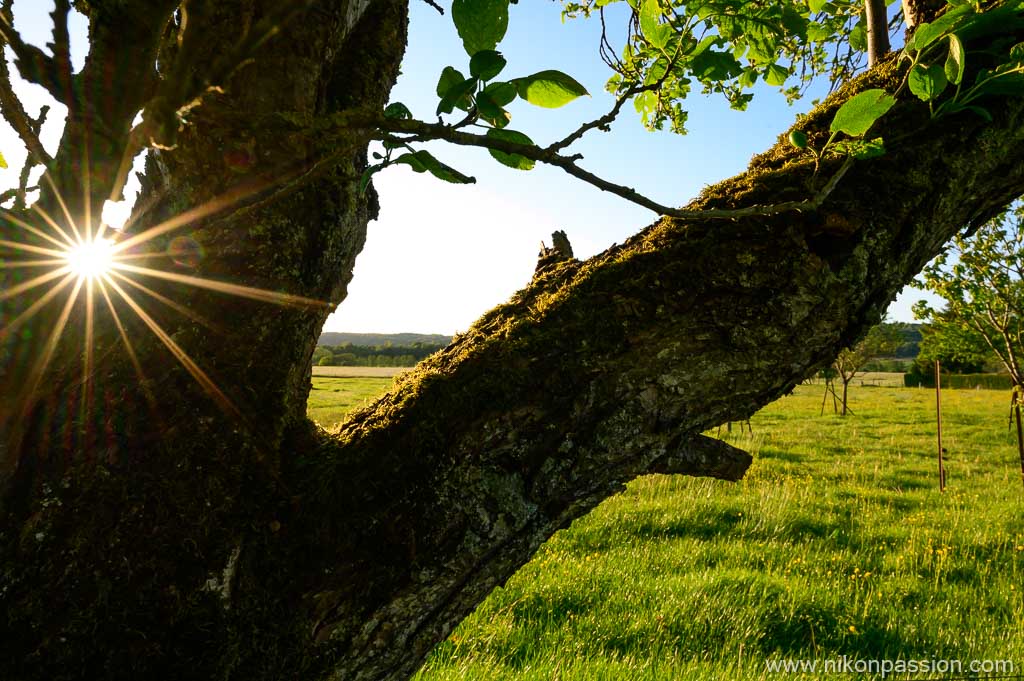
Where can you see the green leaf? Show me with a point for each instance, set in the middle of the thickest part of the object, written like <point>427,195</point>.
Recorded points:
<point>927,82</point>
<point>818,32</point>
<point>861,149</point>
<point>450,77</point>
<point>490,111</point>
<point>927,33</point>
<point>859,37</point>
<point>859,113</point>
<point>1010,84</point>
<point>501,94</point>
<point>516,161</point>
<point>397,110</point>
<point>815,5</point>
<point>955,60</point>
<point>776,75</point>
<point>458,96</point>
<point>794,22</point>
<point>364,181</point>
<point>486,64</point>
<point>711,65</point>
<point>549,89</point>
<point>747,78</point>
<point>657,34</point>
<point>481,23</point>
<point>981,111</point>
<point>423,161</point>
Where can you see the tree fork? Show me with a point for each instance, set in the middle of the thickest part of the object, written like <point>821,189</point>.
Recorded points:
<point>209,548</point>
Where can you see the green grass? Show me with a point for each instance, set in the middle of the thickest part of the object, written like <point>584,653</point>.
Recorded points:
<point>332,398</point>
<point>838,542</point>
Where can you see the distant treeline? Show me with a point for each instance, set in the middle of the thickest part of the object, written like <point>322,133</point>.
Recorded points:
<point>333,339</point>
<point>386,355</point>
<point>923,379</point>
<point>911,344</point>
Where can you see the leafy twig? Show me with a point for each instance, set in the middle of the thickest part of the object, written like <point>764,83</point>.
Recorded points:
<point>385,128</point>
<point>603,122</point>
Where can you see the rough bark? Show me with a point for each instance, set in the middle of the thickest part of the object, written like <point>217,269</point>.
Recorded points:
<point>191,543</point>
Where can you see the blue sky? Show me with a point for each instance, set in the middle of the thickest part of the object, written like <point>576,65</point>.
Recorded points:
<point>440,255</point>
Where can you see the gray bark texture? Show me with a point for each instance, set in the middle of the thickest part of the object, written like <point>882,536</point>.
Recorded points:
<point>188,541</point>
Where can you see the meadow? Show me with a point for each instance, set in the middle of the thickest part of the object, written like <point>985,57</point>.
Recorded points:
<point>837,543</point>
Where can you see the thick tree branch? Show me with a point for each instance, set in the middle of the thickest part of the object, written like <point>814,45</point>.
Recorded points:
<point>607,369</point>
<point>34,65</point>
<point>704,456</point>
<point>16,116</point>
<point>183,87</point>
<point>13,110</point>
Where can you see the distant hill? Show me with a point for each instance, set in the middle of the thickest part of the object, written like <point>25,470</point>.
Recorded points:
<point>335,338</point>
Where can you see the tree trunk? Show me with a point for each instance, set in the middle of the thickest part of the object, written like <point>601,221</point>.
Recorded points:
<point>846,385</point>
<point>226,537</point>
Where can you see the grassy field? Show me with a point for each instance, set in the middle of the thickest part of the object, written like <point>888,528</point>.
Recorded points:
<point>334,396</point>
<point>837,543</point>
<point>358,372</point>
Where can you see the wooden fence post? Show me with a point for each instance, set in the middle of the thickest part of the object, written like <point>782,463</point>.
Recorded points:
<point>938,424</point>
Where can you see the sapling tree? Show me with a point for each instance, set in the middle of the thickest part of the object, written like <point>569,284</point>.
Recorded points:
<point>880,341</point>
<point>166,508</point>
<point>981,278</point>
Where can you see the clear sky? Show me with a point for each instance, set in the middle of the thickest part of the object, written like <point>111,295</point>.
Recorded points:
<point>440,255</point>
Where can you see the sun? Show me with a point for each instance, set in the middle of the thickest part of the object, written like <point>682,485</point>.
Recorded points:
<point>91,259</point>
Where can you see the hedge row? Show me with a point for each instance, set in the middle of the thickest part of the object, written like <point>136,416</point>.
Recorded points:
<point>960,381</point>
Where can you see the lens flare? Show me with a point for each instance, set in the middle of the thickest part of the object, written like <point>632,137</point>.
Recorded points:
<point>75,266</point>
<point>91,259</point>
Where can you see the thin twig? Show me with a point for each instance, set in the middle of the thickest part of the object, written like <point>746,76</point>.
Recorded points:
<point>26,170</point>
<point>603,122</point>
<point>440,10</point>
<point>13,194</point>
